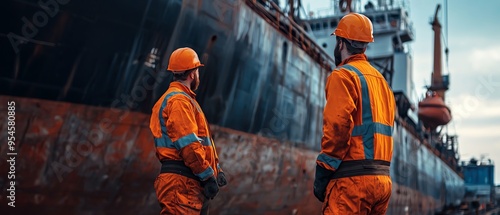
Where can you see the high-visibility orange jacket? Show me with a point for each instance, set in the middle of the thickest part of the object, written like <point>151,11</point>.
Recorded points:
<point>358,115</point>
<point>181,131</point>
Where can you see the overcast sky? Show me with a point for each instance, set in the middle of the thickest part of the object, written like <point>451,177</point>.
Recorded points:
<point>474,94</point>
<point>474,44</point>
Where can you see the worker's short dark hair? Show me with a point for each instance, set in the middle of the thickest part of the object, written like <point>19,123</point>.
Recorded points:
<point>182,76</point>
<point>350,48</point>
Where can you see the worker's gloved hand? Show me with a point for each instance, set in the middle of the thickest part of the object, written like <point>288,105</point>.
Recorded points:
<point>210,187</point>
<point>321,180</point>
<point>221,179</point>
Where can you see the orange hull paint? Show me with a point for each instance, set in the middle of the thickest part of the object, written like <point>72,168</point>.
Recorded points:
<point>74,159</point>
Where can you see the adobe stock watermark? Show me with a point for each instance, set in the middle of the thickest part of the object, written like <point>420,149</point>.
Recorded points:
<point>30,27</point>
<point>89,136</point>
<point>283,115</point>
<point>486,88</point>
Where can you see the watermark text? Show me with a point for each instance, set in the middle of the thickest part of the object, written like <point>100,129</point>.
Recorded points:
<point>11,153</point>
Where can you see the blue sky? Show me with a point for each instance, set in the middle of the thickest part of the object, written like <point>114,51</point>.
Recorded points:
<point>474,44</point>
<point>474,94</point>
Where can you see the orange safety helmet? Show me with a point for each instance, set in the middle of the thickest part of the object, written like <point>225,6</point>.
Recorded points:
<point>183,59</point>
<point>355,26</point>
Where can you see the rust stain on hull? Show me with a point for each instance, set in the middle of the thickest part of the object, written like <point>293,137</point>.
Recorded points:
<point>78,159</point>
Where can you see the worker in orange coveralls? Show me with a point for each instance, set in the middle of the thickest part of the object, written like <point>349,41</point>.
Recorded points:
<point>352,171</point>
<point>190,173</point>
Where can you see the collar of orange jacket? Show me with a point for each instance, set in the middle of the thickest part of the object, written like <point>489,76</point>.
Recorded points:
<point>183,87</point>
<point>355,57</point>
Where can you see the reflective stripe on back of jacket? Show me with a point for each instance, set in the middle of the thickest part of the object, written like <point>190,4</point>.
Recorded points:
<point>181,131</point>
<point>358,116</point>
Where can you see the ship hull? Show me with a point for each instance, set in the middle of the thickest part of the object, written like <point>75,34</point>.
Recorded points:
<point>425,182</point>
<point>83,159</point>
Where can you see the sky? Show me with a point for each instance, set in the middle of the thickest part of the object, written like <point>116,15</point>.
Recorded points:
<point>474,93</point>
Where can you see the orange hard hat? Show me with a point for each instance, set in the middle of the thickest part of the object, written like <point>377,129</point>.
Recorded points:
<point>183,59</point>
<point>355,26</point>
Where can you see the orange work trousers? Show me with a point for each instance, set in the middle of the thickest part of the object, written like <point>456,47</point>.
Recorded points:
<point>367,194</point>
<point>178,194</point>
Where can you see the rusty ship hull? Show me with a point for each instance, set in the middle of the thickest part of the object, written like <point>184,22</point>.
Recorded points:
<point>85,82</point>
<point>72,161</point>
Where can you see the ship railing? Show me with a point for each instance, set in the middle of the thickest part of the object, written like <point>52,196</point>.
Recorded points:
<point>445,150</point>
<point>394,20</point>
<point>334,10</point>
<point>440,149</point>
<point>287,26</point>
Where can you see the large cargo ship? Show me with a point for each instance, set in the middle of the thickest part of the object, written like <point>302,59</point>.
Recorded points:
<point>84,76</point>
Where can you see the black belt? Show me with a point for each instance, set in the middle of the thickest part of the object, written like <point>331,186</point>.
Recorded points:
<point>177,167</point>
<point>362,167</point>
